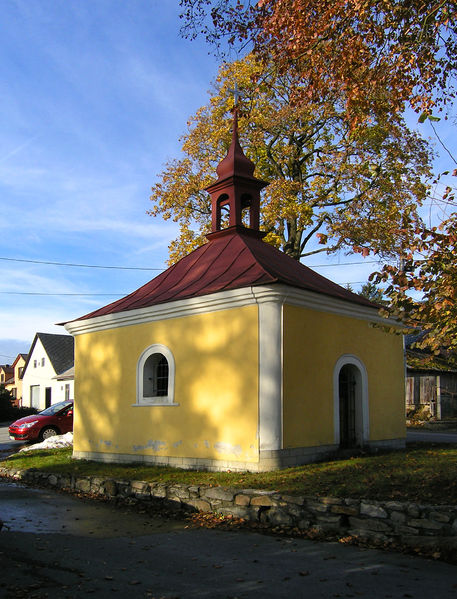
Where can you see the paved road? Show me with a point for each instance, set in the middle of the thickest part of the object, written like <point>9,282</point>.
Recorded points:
<point>7,446</point>
<point>62,546</point>
<point>424,436</point>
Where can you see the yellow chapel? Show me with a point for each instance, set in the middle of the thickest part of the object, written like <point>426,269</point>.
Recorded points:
<point>236,357</point>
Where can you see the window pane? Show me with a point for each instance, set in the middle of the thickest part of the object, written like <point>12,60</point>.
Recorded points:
<point>162,377</point>
<point>155,376</point>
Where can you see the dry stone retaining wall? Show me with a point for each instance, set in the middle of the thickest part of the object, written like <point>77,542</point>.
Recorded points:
<point>407,524</point>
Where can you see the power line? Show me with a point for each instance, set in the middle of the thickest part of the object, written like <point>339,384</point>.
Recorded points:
<point>50,293</point>
<point>345,263</point>
<point>121,294</point>
<point>75,265</point>
<point>78,265</point>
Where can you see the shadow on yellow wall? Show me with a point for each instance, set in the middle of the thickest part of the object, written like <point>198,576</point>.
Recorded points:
<point>216,387</point>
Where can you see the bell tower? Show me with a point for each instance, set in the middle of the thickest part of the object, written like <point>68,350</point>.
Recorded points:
<point>236,189</point>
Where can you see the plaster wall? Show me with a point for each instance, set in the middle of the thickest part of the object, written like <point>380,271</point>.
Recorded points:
<point>216,387</point>
<point>43,376</point>
<point>18,380</point>
<point>314,341</point>
<point>16,386</point>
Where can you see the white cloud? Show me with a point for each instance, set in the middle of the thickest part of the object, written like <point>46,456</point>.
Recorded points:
<point>22,280</point>
<point>20,326</point>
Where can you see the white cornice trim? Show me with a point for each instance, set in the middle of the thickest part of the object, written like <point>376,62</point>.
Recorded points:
<point>326,303</point>
<point>175,309</point>
<point>224,300</point>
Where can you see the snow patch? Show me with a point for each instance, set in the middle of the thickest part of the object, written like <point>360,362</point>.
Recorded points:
<point>55,442</point>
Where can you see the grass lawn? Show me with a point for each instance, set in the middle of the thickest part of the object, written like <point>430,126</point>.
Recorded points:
<point>423,474</point>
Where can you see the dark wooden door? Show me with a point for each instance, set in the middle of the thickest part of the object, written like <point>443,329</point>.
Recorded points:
<point>347,390</point>
<point>47,396</point>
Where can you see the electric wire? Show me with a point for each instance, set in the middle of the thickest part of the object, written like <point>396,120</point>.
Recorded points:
<point>71,264</point>
<point>137,268</point>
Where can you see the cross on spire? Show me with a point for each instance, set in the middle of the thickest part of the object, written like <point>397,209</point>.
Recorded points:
<point>236,189</point>
<point>236,94</point>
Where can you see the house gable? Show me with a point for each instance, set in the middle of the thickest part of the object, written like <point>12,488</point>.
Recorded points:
<point>49,356</point>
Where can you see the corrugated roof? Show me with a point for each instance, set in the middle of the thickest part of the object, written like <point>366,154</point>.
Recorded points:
<point>233,258</point>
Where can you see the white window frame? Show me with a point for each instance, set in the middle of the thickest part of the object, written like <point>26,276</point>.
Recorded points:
<point>159,400</point>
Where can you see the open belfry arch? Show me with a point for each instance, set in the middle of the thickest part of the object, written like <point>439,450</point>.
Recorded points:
<point>235,356</point>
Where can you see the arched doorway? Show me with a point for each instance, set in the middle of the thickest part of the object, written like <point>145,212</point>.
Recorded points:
<point>350,403</point>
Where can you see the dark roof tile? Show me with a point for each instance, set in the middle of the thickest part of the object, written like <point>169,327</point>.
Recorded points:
<point>60,349</point>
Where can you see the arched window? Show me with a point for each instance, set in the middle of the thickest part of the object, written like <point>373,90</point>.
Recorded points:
<point>155,376</point>
<point>222,212</point>
<point>246,206</point>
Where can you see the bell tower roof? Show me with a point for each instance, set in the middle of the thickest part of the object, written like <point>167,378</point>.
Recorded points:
<point>236,190</point>
<point>235,162</point>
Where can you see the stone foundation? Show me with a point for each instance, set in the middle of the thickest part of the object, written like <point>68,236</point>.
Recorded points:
<point>397,523</point>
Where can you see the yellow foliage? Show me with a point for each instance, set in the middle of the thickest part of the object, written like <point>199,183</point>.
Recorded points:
<point>355,187</point>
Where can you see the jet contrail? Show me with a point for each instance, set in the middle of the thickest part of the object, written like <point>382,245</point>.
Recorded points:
<point>19,148</point>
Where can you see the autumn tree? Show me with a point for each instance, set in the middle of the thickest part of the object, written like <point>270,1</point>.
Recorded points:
<point>329,182</point>
<point>372,50</point>
<point>372,292</point>
<point>382,55</point>
<point>423,288</point>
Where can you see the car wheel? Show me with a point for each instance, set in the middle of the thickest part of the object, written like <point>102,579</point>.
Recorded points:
<point>47,432</point>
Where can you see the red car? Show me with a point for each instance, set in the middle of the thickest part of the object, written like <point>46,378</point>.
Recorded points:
<point>55,420</point>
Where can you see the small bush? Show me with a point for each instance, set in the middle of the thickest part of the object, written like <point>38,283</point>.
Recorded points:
<point>421,414</point>
<point>6,403</point>
<point>10,412</point>
<point>20,412</point>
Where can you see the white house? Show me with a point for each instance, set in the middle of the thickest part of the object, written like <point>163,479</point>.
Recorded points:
<point>49,371</point>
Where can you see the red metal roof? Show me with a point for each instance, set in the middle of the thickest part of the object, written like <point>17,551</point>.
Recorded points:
<point>233,258</point>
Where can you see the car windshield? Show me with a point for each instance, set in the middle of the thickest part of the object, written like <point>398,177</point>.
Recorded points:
<point>55,408</point>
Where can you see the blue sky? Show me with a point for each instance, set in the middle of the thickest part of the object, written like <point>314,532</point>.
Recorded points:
<point>95,94</point>
<point>94,97</point>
